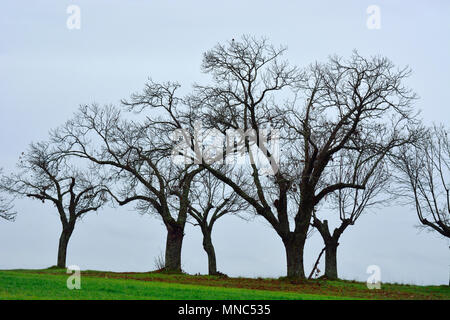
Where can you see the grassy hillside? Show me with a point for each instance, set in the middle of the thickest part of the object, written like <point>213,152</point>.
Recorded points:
<point>51,284</point>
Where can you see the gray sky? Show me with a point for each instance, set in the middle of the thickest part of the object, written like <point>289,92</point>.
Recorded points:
<point>47,70</point>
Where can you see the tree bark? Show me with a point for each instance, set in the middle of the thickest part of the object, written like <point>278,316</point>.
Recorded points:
<point>62,248</point>
<point>294,256</point>
<point>331,259</point>
<point>174,242</point>
<point>209,249</point>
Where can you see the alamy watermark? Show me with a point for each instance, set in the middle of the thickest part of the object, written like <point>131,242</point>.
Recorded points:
<point>374,19</point>
<point>374,280</point>
<point>74,19</point>
<point>74,280</point>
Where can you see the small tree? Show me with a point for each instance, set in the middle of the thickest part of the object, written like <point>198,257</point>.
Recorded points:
<point>424,175</point>
<point>47,175</point>
<point>211,199</point>
<point>349,202</point>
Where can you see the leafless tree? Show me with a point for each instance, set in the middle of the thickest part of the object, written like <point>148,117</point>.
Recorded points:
<point>351,202</point>
<point>46,175</point>
<point>424,178</point>
<point>6,207</point>
<point>136,156</point>
<point>211,199</point>
<point>319,111</point>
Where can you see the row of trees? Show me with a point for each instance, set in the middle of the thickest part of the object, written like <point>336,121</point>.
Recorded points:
<point>347,134</point>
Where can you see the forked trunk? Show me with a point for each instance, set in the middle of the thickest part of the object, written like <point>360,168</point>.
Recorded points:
<point>331,260</point>
<point>331,244</point>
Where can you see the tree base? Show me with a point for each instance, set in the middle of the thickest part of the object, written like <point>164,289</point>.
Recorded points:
<point>55,268</point>
<point>294,280</point>
<point>168,271</point>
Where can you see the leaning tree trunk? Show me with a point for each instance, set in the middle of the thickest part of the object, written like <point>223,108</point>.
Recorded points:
<point>62,248</point>
<point>209,249</point>
<point>174,242</point>
<point>331,259</point>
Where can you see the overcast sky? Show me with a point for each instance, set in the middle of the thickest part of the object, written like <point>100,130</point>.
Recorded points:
<point>48,70</point>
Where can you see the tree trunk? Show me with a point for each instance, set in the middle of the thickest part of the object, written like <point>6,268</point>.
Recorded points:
<point>294,257</point>
<point>174,243</point>
<point>331,244</point>
<point>62,248</point>
<point>331,259</point>
<point>209,249</point>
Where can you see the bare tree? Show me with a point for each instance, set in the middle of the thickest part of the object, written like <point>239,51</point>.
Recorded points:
<point>6,207</point>
<point>424,178</point>
<point>211,199</point>
<point>319,111</point>
<point>136,155</point>
<point>350,202</point>
<point>46,175</point>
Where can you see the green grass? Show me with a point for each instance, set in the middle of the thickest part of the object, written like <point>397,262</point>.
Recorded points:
<point>443,291</point>
<point>24,285</point>
<point>50,284</point>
